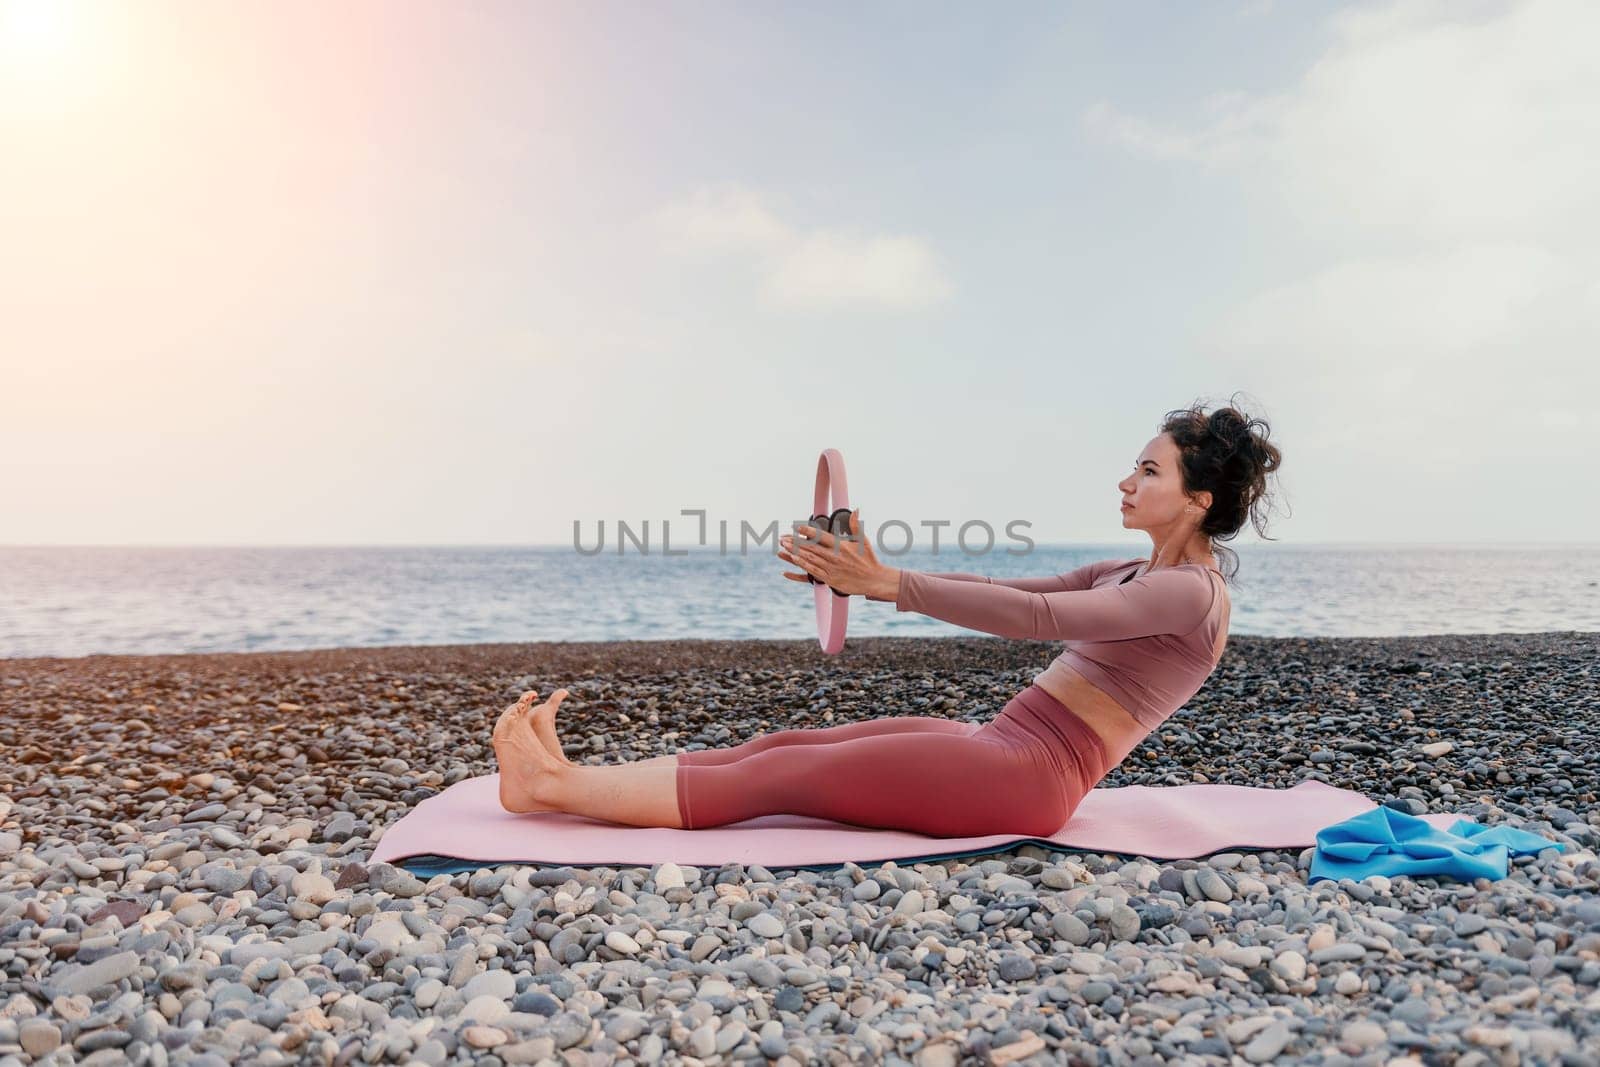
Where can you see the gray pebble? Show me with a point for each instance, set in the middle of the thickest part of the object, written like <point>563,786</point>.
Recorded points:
<point>1267,1044</point>
<point>103,972</point>
<point>1015,968</point>
<point>1213,885</point>
<point>1124,923</point>
<point>1339,952</point>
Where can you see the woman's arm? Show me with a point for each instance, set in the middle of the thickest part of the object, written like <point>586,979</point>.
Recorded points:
<point>1081,578</point>
<point>1168,601</point>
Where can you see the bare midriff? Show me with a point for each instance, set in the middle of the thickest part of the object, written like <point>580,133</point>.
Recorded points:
<point>1118,730</point>
<point>1115,726</point>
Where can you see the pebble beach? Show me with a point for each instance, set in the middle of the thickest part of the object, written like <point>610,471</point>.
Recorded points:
<point>185,870</point>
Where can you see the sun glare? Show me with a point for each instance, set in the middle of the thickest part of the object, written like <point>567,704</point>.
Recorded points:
<point>34,32</point>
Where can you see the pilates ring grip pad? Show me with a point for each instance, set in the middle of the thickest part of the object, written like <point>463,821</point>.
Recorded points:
<point>833,607</point>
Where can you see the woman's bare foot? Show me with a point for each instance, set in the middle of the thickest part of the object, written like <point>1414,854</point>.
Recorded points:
<point>521,756</point>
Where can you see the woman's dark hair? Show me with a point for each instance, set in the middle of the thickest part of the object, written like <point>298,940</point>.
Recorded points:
<point>1225,452</point>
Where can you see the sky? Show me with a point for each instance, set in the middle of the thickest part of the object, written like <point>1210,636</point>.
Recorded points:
<point>471,273</point>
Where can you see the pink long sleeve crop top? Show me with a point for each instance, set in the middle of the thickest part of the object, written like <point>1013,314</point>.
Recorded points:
<point>1147,641</point>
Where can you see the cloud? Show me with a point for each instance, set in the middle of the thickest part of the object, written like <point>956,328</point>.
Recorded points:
<point>1428,344</point>
<point>817,269</point>
<point>725,219</point>
<point>1418,120</point>
<point>832,267</point>
<point>1432,173</point>
<point>1236,129</point>
<point>1428,309</point>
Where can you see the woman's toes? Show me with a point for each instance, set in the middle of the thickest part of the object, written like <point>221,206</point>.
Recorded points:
<point>526,735</point>
<point>503,723</point>
<point>544,726</point>
<point>512,714</point>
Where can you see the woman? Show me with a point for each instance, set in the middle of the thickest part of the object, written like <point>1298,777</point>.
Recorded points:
<point>1142,636</point>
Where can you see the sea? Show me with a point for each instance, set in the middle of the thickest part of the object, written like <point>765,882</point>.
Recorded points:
<point>69,601</point>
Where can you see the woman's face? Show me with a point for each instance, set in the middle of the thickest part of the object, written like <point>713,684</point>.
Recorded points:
<point>1152,493</point>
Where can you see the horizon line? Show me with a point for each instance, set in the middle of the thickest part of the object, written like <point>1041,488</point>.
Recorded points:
<point>711,548</point>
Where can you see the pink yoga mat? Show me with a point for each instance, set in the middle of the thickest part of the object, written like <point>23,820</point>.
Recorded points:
<point>464,828</point>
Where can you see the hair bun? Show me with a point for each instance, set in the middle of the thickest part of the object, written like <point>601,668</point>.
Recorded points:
<point>1231,428</point>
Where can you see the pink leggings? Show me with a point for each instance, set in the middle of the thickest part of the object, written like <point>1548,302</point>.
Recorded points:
<point>1023,772</point>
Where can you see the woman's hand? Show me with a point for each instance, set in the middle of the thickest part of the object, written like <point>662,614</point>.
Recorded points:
<point>847,564</point>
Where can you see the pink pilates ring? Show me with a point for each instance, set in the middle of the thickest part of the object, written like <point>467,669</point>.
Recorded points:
<point>833,607</point>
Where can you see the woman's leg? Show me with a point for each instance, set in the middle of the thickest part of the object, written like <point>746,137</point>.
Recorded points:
<point>645,792</point>
<point>932,782</point>
<point>823,735</point>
